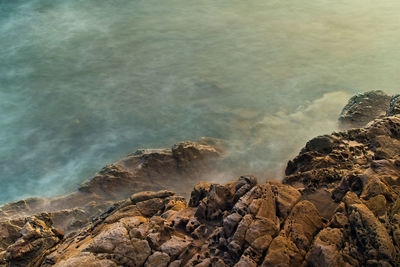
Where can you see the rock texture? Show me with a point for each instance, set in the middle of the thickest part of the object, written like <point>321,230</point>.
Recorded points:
<point>157,169</point>
<point>363,108</point>
<point>394,107</point>
<point>338,205</point>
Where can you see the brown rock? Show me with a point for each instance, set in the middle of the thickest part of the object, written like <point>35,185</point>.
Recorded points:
<point>199,192</point>
<point>146,195</point>
<point>174,246</point>
<point>158,259</point>
<point>282,252</point>
<point>37,236</point>
<point>326,249</point>
<point>379,244</point>
<point>261,232</point>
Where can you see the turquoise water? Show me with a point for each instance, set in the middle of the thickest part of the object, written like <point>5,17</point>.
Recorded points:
<point>83,83</point>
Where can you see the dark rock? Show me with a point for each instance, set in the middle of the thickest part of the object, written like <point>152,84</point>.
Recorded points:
<point>364,108</point>
<point>394,108</point>
<point>199,192</point>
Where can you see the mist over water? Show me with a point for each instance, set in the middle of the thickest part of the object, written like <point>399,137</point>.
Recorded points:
<point>85,82</point>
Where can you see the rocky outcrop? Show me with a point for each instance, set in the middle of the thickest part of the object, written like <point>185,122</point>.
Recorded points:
<point>394,107</point>
<point>363,108</point>
<point>359,169</point>
<point>182,165</point>
<point>338,205</point>
<point>36,236</point>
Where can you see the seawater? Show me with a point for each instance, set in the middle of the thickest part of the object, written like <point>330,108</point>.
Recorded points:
<point>85,82</point>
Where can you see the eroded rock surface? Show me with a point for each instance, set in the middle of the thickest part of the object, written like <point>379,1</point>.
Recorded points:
<point>339,205</point>
<point>363,108</point>
<point>181,166</point>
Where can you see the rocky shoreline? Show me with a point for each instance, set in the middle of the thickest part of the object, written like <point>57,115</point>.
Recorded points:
<point>338,205</point>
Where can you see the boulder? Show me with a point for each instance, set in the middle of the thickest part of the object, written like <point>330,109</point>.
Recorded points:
<point>363,108</point>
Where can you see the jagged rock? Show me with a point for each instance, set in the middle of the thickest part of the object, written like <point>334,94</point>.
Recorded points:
<point>394,107</point>
<point>158,259</point>
<point>36,237</point>
<point>145,170</point>
<point>376,245</point>
<point>244,184</point>
<point>363,108</point>
<point>218,199</point>
<point>230,223</point>
<point>282,252</point>
<point>339,205</point>
<point>142,196</point>
<point>174,246</point>
<point>9,232</point>
<point>286,198</point>
<point>326,249</point>
<point>192,224</point>
<point>150,207</point>
<point>86,260</point>
<point>200,191</point>
<point>238,238</point>
<point>260,233</point>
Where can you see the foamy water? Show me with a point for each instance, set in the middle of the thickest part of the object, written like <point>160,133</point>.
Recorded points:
<point>82,83</point>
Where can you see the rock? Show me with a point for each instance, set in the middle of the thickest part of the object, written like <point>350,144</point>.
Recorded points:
<point>174,246</point>
<point>265,206</point>
<point>187,153</point>
<point>176,263</point>
<point>146,195</point>
<point>192,224</point>
<point>394,107</point>
<point>150,207</point>
<point>230,223</point>
<point>286,198</point>
<point>339,205</point>
<point>364,108</point>
<point>363,223</point>
<point>260,233</point>
<point>302,224</point>
<point>246,262</point>
<point>282,252</point>
<point>240,233</point>
<point>199,192</point>
<point>326,248</point>
<point>158,259</point>
<point>244,184</point>
<point>377,205</point>
<point>145,170</point>
<point>86,260</point>
<point>218,199</point>
<point>37,236</point>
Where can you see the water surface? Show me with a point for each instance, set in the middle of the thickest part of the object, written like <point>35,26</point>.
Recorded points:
<point>84,82</point>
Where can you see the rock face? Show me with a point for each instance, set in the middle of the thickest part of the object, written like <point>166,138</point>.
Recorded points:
<point>363,108</point>
<point>394,107</point>
<point>339,205</point>
<point>36,236</point>
<point>183,165</point>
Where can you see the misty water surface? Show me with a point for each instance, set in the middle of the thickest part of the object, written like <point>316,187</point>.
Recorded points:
<point>85,82</point>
